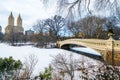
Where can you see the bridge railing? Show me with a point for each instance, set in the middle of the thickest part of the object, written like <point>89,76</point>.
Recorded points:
<point>89,41</point>
<point>108,44</point>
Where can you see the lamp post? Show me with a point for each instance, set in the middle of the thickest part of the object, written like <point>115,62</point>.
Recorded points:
<point>110,33</point>
<point>112,52</point>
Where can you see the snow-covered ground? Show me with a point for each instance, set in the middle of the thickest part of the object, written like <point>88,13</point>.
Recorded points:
<point>44,56</point>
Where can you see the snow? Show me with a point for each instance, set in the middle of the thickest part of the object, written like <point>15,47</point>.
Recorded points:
<point>44,56</point>
<point>86,50</point>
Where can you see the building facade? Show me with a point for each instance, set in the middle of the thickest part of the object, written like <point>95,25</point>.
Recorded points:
<point>29,32</point>
<point>11,27</point>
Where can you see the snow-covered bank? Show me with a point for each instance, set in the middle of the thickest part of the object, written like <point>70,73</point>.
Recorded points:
<point>44,56</point>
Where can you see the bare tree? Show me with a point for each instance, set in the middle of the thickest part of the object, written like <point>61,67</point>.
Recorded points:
<point>108,5</point>
<point>92,26</point>
<point>40,27</point>
<point>89,27</point>
<point>83,7</point>
<point>55,25</point>
<point>75,29</point>
<point>29,66</point>
<point>66,66</point>
<point>41,33</point>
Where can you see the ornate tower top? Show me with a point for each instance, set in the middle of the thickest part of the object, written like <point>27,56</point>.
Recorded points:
<point>19,21</point>
<point>19,17</point>
<point>11,15</point>
<point>11,19</point>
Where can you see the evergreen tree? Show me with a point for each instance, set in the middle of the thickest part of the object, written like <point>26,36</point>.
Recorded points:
<point>46,75</point>
<point>9,68</point>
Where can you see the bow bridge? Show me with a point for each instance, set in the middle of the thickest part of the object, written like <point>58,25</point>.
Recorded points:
<point>109,49</point>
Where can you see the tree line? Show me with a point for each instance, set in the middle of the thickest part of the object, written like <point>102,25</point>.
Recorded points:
<point>56,28</point>
<point>94,27</point>
<point>45,31</point>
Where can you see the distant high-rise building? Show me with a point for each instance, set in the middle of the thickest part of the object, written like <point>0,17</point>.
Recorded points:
<point>11,27</point>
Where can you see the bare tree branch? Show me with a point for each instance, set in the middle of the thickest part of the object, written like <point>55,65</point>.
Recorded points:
<point>29,66</point>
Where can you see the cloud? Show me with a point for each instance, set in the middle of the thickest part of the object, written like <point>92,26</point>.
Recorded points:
<point>30,10</point>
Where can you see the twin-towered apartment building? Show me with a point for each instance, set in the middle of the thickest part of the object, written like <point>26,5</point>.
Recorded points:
<point>11,27</point>
<point>18,28</point>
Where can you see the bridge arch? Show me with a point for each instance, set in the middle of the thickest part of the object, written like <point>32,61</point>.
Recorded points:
<point>91,43</point>
<point>70,45</point>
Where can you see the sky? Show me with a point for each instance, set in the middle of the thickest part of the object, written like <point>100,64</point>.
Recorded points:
<point>30,11</point>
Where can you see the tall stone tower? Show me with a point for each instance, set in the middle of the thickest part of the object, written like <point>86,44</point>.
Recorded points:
<point>19,27</point>
<point>11,27</point>
<point>19,21</point>
<point>11,19</point>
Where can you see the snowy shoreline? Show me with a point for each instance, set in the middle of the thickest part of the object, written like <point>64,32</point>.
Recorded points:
<point>44,56</point>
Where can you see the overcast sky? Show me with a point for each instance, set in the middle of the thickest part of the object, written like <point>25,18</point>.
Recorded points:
<point>30,10</point>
